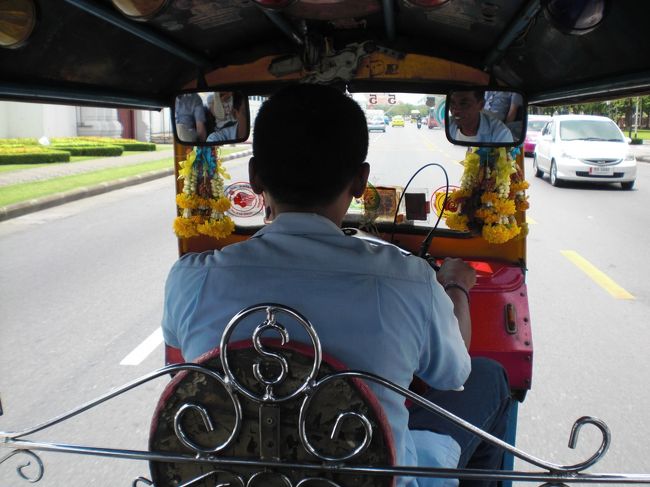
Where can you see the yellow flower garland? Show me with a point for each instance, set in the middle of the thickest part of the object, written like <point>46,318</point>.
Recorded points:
<point>202,201</point>
<point>492,190</point>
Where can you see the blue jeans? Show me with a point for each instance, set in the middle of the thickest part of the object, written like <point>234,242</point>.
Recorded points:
<point>484,402</point>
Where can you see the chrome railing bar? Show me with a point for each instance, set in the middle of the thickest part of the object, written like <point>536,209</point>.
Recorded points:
<point>334,468</point>
<point>109,395</point>
<point>415,398</point>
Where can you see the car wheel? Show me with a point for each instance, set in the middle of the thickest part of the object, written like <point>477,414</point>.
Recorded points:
<point>554,179</point>
<point>627,185</point>
<point>538,172</point>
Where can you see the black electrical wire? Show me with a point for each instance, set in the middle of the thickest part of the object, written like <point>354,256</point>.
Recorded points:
<point>429,237</point>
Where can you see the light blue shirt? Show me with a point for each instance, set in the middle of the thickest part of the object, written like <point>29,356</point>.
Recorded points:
<point>189,110</point>
<point>224,134</point>
<point>490,129</point>
<point>373,308</point>
<point>498,103</point>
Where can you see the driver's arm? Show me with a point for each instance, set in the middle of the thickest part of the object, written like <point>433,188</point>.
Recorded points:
<point>457,278</point>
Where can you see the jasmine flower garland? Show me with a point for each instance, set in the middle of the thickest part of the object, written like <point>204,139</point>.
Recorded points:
<point>202,202</point>
<point>492,190</point>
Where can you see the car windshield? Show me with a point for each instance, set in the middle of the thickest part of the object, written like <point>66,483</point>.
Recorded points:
<point>536,125</point>
<point>603,130</point>
<point>395,155</point>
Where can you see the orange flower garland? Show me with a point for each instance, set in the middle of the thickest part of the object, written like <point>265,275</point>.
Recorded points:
<point>202,201</point>
<point>492,191</point>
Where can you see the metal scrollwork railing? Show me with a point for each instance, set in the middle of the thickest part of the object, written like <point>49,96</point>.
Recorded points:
<point>270,323</point>
<point>21,468</point>
<point>304,438</point>
<point>31,468</point>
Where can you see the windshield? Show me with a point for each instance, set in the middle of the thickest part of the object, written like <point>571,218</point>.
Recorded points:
<point>605,130</point>
<point>396,153</point>
<point>536,125</point>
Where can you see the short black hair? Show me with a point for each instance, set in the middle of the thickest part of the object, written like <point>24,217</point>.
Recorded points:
<point>308,144</point>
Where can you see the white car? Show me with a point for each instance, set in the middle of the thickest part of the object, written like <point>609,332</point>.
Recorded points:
<point>584,148</point>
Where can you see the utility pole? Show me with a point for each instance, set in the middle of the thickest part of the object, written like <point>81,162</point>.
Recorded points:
<point>636,119</point>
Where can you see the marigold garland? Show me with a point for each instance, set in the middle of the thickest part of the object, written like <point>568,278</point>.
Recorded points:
<point>491,192</point>
<point>202,202</point>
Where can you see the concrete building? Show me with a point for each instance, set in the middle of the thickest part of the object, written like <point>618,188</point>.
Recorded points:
<point>18,120</point>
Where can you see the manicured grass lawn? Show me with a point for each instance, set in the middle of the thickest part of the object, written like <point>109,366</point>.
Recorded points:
<point>643,134</point>
<point>16,167</point>
<point>27,191</point>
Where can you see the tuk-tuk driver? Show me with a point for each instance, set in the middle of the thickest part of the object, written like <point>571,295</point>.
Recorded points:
<point>373,308</point>
<point>469,123</point>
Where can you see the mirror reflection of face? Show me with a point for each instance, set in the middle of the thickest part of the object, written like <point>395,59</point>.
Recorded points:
<point>465,107</point>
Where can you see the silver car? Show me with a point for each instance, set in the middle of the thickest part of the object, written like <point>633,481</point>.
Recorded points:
<point>584,148</point>
<point>376,123</point>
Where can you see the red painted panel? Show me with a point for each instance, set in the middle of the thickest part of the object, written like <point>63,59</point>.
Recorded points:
<point>499,285</point>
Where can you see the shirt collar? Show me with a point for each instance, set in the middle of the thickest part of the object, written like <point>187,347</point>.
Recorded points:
<point>301,224</point>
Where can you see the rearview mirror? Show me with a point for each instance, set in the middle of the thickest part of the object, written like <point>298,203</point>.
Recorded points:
<point>211,117</point>
<point>485,118</point>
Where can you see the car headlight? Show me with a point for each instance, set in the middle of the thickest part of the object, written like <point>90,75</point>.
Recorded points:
<point>566,155</point>
<point>629,157</point>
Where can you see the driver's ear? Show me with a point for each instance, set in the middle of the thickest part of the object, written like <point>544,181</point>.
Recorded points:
<point>360,180</point>
<point>253,177</point>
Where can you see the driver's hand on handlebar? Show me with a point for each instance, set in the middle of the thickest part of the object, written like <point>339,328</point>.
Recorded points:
<point>457,271</point>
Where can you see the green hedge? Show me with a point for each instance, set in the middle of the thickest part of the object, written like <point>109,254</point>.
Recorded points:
<point>28,150</point>
<point>126,144</point>
<point>90,150</point>
<point>39,157</point>
<point>138,146</point>
<point>18,142</point>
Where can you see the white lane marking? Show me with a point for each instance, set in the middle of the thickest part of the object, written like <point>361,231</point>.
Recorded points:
<point>142,351</point>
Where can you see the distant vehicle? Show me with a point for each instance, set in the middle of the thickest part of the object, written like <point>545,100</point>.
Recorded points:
<point>535,125</point>
<point>376,123</point>
<point>584,148</point>
<point>415,114</point>
<point>375,113</point>
<point>433,121</point>
<point>397,121</point>
<point>386,120</point>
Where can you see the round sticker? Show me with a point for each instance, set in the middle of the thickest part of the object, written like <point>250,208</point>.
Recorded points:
<point>438,199</point>
<point>244,203</point>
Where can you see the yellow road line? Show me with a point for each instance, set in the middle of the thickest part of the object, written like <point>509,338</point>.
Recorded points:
<point>598,276</point>
<point>434,148</point>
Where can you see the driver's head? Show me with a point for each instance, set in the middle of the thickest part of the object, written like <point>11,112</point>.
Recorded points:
<point>309,143</point>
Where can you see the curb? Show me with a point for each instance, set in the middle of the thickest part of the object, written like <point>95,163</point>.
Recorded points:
<point>31,206</point>
<point>237,155</point>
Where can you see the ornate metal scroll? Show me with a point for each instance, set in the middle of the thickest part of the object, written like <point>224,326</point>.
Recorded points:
<point>270,323</point>
<point>22,467</point>
<point>216,466</point>
<point>24,447</point>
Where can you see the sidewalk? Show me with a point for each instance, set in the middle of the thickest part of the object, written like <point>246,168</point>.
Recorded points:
<point>60,170</point>
<point>641,151</point>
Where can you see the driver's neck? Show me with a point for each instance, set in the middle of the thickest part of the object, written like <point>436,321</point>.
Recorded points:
<point>334,211</point>
<point>473,128</point>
